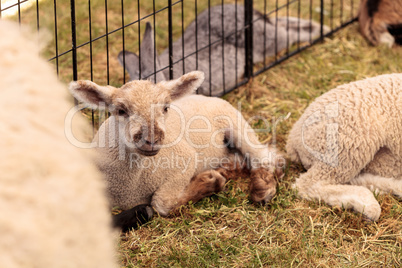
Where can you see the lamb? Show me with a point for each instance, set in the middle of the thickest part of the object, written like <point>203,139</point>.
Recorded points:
<point>223,75</point>
<point>164,147</point>
<point>380,21</point>
<point>54,211</point>
<point>350,142</point>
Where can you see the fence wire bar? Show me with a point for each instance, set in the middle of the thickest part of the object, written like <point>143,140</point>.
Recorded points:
<point>90,38</point>
<point>19,12</point>
<point>276,30</point>
<point>107,43</point>
<point>223,48</point>
<point>74,40</point>
<point>265,33</point>
<point>170,30</point>
<point>298,23</point>
<point>248,35</point>
<point>74,43</point>
<point>209,47</point>
<point>37,15</point>
<point>154,22</point>
<point>182,36</point>
<point>91,62</point>
<point>287,25</point>
<point>236,49</point>
<point>123,39</point>
<point>139,38</point>
<point>196,35</point>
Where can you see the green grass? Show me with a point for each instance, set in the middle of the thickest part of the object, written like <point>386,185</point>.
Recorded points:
<point>227,230</point>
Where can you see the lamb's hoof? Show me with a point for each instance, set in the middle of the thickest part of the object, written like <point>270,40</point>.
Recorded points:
<point>262,185</point>
<point>372,212</point>
<point>212,181</point>
<point>133,218</point>
<point>387,39</point>
<point>205,184</point>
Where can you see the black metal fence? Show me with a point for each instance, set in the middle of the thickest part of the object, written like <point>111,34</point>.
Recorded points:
<point>230,40</point>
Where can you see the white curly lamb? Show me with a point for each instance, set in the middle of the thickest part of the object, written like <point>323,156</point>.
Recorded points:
<point>350,140</point>
<point>54,212</point>
<point>162,146</point>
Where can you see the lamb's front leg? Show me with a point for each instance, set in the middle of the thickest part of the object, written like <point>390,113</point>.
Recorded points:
<point>379,184</point>
<point>383,174</point>
<point>317,184</point>
<point>178,192</point>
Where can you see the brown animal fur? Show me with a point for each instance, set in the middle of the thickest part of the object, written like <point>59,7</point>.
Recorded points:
<point>262,184</point>
<point>375,16</point>
<point>204,184</point>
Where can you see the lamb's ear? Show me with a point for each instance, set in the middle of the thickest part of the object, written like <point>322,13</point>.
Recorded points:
<point>147,52</point>
<point>130,61</point>
<point>186,84</point>
<point>90,93</point>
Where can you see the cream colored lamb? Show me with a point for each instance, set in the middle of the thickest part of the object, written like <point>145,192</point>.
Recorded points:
<point>165,147</point>
<point>350,141</point>
<point>54,212</point>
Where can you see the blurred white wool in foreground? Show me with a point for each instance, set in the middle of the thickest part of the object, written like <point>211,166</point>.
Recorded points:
<point>53,209</point>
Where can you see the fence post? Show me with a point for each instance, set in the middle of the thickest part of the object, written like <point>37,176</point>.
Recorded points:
<point>322,21</point>
<point>170,31</point>
<point>248,32</point>
<point>74,39</point>
<point>74,43</point>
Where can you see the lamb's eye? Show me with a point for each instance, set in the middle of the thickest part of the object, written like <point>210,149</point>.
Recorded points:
<point>122,112</point>
<point>166,108</point>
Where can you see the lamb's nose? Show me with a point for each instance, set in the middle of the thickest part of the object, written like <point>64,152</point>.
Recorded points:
<point>152,142</point>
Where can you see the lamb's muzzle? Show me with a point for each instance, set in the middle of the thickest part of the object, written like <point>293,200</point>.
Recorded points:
<point>149,144</point>
<point>149,148</point>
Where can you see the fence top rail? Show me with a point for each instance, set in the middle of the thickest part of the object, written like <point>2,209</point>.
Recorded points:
<point>13,5</point>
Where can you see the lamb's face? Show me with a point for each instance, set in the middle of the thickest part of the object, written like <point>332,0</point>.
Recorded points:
<point>140,107</point>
